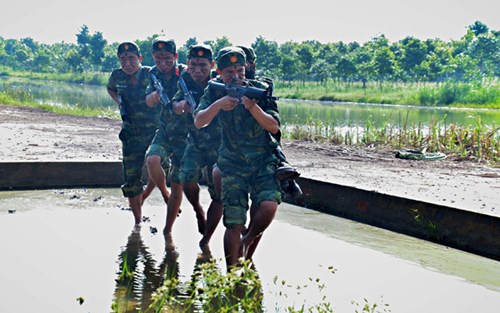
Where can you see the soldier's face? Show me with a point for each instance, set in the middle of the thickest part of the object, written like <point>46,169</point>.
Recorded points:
<point>164,61</point>
<point>130,62</point>
<point>199,68</point>
<point>232,73</point>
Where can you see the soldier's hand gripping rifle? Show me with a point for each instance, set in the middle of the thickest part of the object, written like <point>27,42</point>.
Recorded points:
<point>237,91</point>
<point>161,91</point>
<point>187,94</point>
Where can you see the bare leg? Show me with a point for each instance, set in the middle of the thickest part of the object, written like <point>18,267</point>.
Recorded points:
<point>232,242</point>
<point>157,175</point>
<point>192,192</point>
<point>260,220</point>
<point>217,178</point>
<point>148,190</point>
<point>214,214</point>
<point>173,207</point>
<point>135,204</point>
<point>251,249</point>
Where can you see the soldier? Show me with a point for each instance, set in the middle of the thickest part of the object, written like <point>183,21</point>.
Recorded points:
<point>246,156</point>
<point>285,172</point>
<point>127,86</point>
<point>202,144</point>
<point>170,141</point>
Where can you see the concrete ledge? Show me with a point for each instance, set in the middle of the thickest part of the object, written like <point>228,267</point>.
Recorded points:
<point>44,175</point>
<point>464,230</point>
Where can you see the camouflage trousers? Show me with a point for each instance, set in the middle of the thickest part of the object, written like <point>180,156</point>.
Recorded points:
<point>240,176</point>
<point>171,150</point>
<point>134,145</point>
<point>194,161</point>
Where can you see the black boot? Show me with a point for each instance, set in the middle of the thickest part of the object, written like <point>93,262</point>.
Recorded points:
<point>285,171</point>
<point>294,189</point>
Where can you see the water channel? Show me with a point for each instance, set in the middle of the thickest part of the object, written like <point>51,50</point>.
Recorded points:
<point>62,246</point>
<point>293,112</point>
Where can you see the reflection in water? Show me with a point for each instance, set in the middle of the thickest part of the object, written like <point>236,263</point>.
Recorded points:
<point>139,277</point>
<point>142,286</point>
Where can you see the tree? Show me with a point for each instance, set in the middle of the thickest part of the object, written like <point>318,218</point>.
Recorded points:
<point>486,50</point>
<point>320,71</point>
<point>346,69</point>
<point>364,64</point>
<point>110,61</point>
<point>41,62</point>
<point>190,42</point>
<point>83,40</point>
<point>90,48</point>
<point>269,57</point>
<point>289,68</point>
<point>414,53</point>
<point>218,44</point>
<point>3,54</point>
<point>384,64</point>
<point>183,51</point>
<point>97,45</point>
<point>305,56</point>
<point>73,59</point>
<point>479,28</point>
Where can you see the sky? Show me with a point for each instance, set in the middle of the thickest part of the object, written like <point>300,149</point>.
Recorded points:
<point>242,22</point>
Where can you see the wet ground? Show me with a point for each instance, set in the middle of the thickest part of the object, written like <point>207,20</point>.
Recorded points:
<point>62,245</point>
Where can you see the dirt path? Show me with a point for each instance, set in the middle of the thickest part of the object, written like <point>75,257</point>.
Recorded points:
<point>30,134</point>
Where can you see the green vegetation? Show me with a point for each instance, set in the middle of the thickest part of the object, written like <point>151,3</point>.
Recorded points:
<point>474,58</point>
<point>24,98</point>
<point>411,71</point>
<point>95,78</point>
<point>456,94</point>
<point>474,142</point>
<point>237,291</point>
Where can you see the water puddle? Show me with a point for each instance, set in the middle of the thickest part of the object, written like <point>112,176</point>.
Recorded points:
<point>78,251</point>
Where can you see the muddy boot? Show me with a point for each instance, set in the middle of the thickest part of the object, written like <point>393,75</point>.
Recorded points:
<point>285,171</point>
<point>293,189</point>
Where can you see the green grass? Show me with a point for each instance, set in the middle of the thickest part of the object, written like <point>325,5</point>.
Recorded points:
<point>96,78</point>
<point>472,142</point>
<point>472,95</point>
<point>25,99</point>
<point>239,290</point>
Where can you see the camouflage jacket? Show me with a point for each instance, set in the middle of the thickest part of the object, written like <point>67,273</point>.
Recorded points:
<point>241,133</point>
<point>172,124</point>
<point>139,115</point>
<point>206,137</point>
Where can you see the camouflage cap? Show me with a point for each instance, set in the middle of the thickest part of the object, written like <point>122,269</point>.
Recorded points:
<point>230,56</point>
<point>164,44</point>
<point>249,53</point>
<point>200,51</point>
<point>128,47</point>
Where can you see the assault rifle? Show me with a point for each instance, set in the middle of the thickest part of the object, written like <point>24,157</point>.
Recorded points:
<point>237,91</point>
<point>161,91</point>
<point>123,111</point>
<point>187,94</point>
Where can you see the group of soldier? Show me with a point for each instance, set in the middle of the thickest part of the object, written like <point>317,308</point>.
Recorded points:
<point>176,124</point>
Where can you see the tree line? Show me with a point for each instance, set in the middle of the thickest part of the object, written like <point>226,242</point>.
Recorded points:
<point>472,58</point>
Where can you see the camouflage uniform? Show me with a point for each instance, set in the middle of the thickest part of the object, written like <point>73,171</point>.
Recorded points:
<point>202,144</point>
<point>170,139</point>
<point>246,157</point>
<point>138,128</point>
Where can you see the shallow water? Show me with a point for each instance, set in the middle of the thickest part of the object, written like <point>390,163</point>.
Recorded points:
<point>59,245</point>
